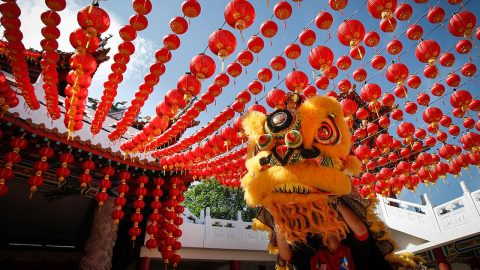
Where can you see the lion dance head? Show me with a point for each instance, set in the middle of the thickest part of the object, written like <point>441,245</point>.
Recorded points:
<point>298,157</point>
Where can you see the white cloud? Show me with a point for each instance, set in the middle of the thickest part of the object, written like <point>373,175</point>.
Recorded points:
<point>32,25</point>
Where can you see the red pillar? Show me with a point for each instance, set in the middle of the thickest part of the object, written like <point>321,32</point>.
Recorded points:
<point>143,263</point>
<point>234,265</point>
<point>442,261</point>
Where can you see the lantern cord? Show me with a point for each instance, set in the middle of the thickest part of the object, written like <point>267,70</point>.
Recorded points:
<point>356,11</point>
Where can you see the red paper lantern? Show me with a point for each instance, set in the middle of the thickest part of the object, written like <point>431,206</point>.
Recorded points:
<point>403,12</point>
<point>278,63</point>
<point>344,62</point>
<point>462,24</point>
<point>371,39</point>
<point>245,57</point>
<point>453,80</point>
<point>293,51</point>
<point>234,69</point>
<point>414,81</point>
<point>324,20</point>
<point>463,46</point>
<point>239,14</point>
<point>255,44</point>
<point>414,32</point>
<point>202,66</point>
<point>282,10</point>
<point>397,73</point>
<point>469,69</point>
<point>320,58</point>
<point>307,37</point>
<point>296,81</point>
<point>436,15</point>
<point>178,25</point>
<point>191,8</point>
<point>351,32</point>
<point>269,29</point>
<point>276,98</point>
<point>322,82</point>
<point>264,75</point>
<point>222,43</point>
<point>338,5</point>
<point>388,25</point>
<point>394,47</point>
<point>255,87</point>
<point>359,75</point>
<point>189,85</point>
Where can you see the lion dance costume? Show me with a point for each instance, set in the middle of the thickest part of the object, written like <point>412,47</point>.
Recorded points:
<point>298,159</point>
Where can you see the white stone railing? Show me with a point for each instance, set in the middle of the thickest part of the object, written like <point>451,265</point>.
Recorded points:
<point>208,232</point>
<point>452,220</point>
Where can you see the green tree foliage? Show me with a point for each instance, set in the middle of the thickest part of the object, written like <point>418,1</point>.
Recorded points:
<point>224,202</point>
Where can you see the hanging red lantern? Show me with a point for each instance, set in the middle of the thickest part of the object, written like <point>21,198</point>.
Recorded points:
<point>222,80</point>
<point>307,37</point>
<point>239,14</point>
<point>351,33</point>
<point>469,69</point>
<point>189,85</point>
<point>436,15</point>
<point>344,62</point>
<point>359,75</point>
<point>191,8</point>
<point>245,58</point>
<point>371,39</point>
<point>461,99</point>
<point>423,99</point>
<point>142,7</point>
<point>320,58</point>
<point>255,87</point>
<point>430,71</point>
<point>322,82</point>
<point>269,28</point>
<point>414,81</point>
<point>403,12</point>
<point>388,25</point>
<point>397,73</point>
<point>310,91</point>
<point>296,81</point>
<point>338,5</point>
<point>255,44</point>
<point>278,63</point>
<point>171,42</point>
<point>427,51</point>
<point>370,92</point>
<point>394,47</point>
<point>463,46</point>
<point>357,52</point>
<point>222,43</point>
<point>378,62</point>
<point>453,80</point>
<point>331,72</point>
<point>324,20</point>
<point>410,107</point>
<point>56,5</point>
<point>175,99</point>
<point>293,51</point>
<point>276,98</point>
<point>381,9</point>
<point>234,69</point>
<point>344,86</point>
<point>282,10</point>
<point>178,25</point>
<point>139,22</point>
<point>414,32</point>
<point>462,24</point>
<point>264,75</point>
<point>202,66</point>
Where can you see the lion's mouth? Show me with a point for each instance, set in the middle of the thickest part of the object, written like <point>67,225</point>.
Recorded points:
<point>298,188</point>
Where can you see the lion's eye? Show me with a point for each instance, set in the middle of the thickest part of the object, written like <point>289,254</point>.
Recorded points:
<point>328,132</point>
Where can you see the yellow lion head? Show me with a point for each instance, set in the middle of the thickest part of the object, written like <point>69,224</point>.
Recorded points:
<point>300,154</point>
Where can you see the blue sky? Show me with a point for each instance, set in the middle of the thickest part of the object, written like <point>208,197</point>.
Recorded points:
<point>211,18</point>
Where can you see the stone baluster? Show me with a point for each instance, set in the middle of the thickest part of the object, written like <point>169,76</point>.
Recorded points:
<point>469,202</point>
<point>103,234</point>
<point>430,213</point>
